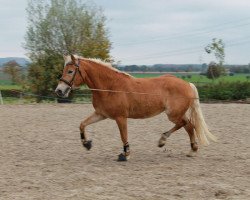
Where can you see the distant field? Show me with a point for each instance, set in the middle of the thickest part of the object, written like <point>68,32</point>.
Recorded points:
<point>10,87</point>
<point>194,77</point>
<point>5,82</point>
<point>7,85</point>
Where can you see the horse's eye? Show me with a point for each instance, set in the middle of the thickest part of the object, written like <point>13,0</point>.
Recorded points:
<point>70,71</point>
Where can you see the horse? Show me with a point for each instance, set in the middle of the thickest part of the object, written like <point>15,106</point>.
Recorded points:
<point>118,96</point>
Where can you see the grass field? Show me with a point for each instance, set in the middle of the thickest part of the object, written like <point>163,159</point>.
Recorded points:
<point>6,84</point>
<point>10,87</point>
<point>194,77</point>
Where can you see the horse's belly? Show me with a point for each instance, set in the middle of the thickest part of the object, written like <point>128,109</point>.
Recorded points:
<point>145,110</point>
<point>130,107</point>
<point>143,115</point>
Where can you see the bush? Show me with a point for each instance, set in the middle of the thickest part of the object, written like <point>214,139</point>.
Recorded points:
<point>225,91</point>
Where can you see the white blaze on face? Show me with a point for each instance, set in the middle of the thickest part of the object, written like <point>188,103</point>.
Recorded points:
<point>62,89</point>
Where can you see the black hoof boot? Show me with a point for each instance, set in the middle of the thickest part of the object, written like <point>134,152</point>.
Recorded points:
<point>122,157</point>
<point>87,144</point>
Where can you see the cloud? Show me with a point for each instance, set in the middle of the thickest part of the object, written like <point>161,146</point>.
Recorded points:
<point>143,27</point>
<point>140,28</point>
<point>13,26</point>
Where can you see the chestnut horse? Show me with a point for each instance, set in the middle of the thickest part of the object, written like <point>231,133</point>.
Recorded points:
<point>118,96</point>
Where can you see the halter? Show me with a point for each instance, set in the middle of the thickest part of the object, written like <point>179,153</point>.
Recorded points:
<point>70,83</point>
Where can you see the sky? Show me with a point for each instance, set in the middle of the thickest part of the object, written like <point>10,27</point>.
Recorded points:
<point>152,32</point>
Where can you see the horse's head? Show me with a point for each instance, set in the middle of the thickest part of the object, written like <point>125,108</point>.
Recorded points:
<point>72,76</point>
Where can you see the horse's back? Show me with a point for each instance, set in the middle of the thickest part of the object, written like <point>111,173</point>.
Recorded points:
<point>165,84</point>
<point>154,95</point>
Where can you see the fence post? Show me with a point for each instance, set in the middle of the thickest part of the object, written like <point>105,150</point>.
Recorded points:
<point>1,98</point>
<point>21,98</point>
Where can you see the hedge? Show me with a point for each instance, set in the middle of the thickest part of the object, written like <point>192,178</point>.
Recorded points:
<point>225,91</point>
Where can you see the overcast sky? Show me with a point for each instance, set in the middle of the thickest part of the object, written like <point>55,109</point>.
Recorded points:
<point>150,32</point>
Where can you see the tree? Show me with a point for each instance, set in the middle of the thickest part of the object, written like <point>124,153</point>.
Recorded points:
<point>57,27</point>
<point>214,70</point>
<point>217,48</point>
<point>13,69</point>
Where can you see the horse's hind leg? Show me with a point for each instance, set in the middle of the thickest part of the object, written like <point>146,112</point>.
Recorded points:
<point>190,129</point>
<point>90,120</point>
<point>165,135</point>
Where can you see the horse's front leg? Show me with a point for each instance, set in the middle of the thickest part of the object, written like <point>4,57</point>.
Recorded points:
<point>122,125</point>
<point>95,117</point>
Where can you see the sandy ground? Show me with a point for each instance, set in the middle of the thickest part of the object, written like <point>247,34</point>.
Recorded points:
<point>41,156</point>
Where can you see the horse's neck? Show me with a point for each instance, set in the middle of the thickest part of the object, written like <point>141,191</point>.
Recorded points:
<point>99,77</point>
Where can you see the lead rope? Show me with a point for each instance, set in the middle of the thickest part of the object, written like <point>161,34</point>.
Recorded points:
<point>142,93</point>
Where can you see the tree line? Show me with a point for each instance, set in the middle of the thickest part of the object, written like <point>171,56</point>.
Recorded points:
<point>162,68</point>
<point>182,68</point>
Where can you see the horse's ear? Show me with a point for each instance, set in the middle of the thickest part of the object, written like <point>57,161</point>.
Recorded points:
<point>64,57</point>
<point>73,59</point>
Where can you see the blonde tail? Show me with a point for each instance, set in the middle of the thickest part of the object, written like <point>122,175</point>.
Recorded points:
<point>197,119</point>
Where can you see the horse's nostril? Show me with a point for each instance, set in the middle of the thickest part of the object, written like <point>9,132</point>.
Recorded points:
<point>59,92</point>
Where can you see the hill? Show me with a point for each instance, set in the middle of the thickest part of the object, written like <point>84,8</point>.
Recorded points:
<point>21,61</point>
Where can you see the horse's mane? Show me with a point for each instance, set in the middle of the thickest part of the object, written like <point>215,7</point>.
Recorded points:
<point>99,61</point>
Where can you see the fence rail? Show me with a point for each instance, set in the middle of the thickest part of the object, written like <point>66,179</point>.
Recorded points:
<point>20,97</point>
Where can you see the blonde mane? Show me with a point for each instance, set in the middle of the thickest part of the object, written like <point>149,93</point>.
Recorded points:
<point>98,61</point>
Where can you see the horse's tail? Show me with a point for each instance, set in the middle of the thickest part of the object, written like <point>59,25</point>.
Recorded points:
<point>197,119</point>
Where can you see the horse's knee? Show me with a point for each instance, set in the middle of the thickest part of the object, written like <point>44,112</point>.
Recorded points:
<point>82,127</point>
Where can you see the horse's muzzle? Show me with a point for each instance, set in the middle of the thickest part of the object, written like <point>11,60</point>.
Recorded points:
<point>59,92</point>
<point>62,92</point>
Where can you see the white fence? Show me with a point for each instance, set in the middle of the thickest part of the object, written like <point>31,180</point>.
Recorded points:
<point>1,98</point>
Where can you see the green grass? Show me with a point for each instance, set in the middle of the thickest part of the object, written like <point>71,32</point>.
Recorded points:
<point>6,84</point>
<point>147,75</point>
<point>194,77</point>
<point>10,87</point>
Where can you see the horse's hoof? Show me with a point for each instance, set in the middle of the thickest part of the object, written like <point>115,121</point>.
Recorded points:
<point>122,157</point>
<point>192,153</point>
<point>161,145</point>
<point>194,146</point>
<point>87,144</point>
<point>162,141</point>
